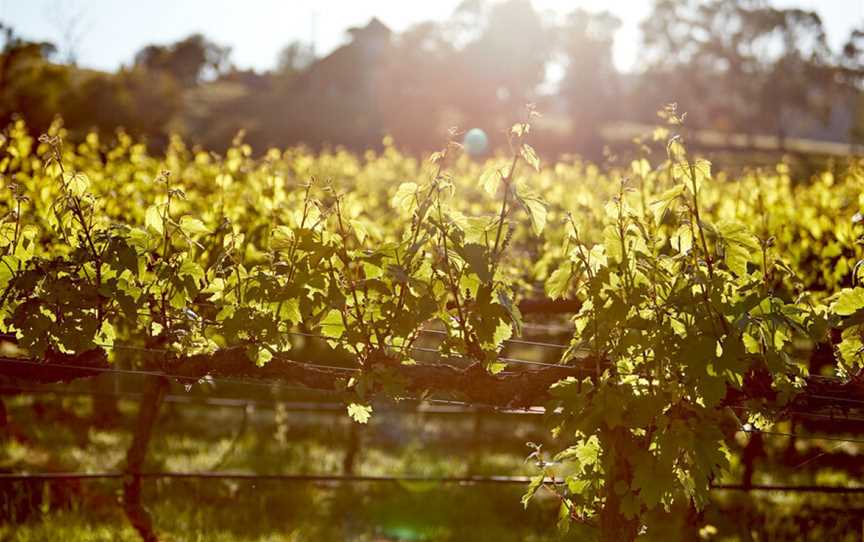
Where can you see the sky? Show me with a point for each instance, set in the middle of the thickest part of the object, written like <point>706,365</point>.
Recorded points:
<point>107,33</point>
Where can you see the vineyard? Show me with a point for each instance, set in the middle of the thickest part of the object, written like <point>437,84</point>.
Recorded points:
<point>638,349</point>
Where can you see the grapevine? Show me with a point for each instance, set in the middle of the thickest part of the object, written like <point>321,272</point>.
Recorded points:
<point>692,292</point>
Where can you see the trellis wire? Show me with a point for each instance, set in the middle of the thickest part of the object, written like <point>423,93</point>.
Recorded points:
<point>459,480</point>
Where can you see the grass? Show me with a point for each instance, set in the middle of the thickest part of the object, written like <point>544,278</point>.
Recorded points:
<point>196,438</point>
<point>60,434</point>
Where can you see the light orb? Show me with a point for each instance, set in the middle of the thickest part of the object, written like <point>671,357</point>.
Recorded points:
<point>476,142</point>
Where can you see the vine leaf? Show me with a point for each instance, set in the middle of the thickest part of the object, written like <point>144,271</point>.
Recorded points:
<point>360,413</point>
<point>332,325</point>
<point>192,226</point>
<point>291,311</point>
<point>264,357</point>
<point>849,301</point>
<point>851,347</point>
<point>535,484</point>
<point>662,203</point>
<point>78,183</point>
<point>153,219</point>
<point>282,238</point>
<point>536,209</point>
<point>405,196</point>
<point>490,179</point>
<point>559,280</point>
<point>476,257</point>
<point>647,480</point>
<point>641,167</point>
<point>530,156</point>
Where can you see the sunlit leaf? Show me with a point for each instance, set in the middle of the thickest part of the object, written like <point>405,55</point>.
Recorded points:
<point>193,226</point>
<point>530,156</point>
<point>490,179</point>
<point>153,219</point>
<point>360,413</point>
<point>77,183</point>
<point>849,301</point>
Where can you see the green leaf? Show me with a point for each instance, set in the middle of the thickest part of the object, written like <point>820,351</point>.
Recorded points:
<point>192,226</point>
<point>264,357</point>
<point>153,219</point>
<point>556,284</point>
<point>640,167</point>
<point>702,170</point>
<point>530,156</point>
<point>281,238</point>
<point>662,203</point>
<point>682,240</point>
<point>751,345</point>
<point>476,257</point>
<point>291,311</point>
<point>697,172</point>
<point>612,243</point>
<point>536,209</point>
<point>107,334</point>
<point>848,301</point>
<point>371,271</point>
<point>648,480</point>
<point>190,268</point>
<point>360,230</point>
<point>736,233</point>
<point>360,413</point>
<point>490,179</point>
<point>736,258</point>
<point>588,451</point>
<point>496,367</point>
<point>77,183</point>
<point>215,289</point>
<point>503,331</point>
<point>332,325</point>
<point>535,484</point>
<point>851,347</point>
<point>405,196</point>
<point>577,486</point>
<point>712,388</point>
<point>520,129</point>
<point>7,266</point>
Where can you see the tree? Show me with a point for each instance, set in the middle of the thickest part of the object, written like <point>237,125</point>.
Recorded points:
<point>294,58</point>
<point>800,80</point>
<point>852,65</point>
<point>497,72</point>
<point>71,26</point>
<point>417,86</point>
<point>590,87</point>
<point>852,56</point>
<point>142,103</point>
<point>30,85</point>
<point>745,63</point>
<point>189,60</point>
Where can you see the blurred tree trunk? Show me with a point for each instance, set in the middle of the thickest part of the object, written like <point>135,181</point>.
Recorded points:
<point>138,516</point>
<point>353,449</point>
<point>614,525</point>
<point>105,410</point>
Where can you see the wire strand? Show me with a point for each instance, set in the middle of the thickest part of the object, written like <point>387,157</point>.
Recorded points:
<point>444,407</point>
<point>205,379</point>
<point>516,479</point>
<point>798,435</point>
<point>193,379</point>
<point>459,480</point>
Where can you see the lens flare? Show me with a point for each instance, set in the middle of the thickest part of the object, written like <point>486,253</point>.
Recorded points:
<point>476,143</point>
